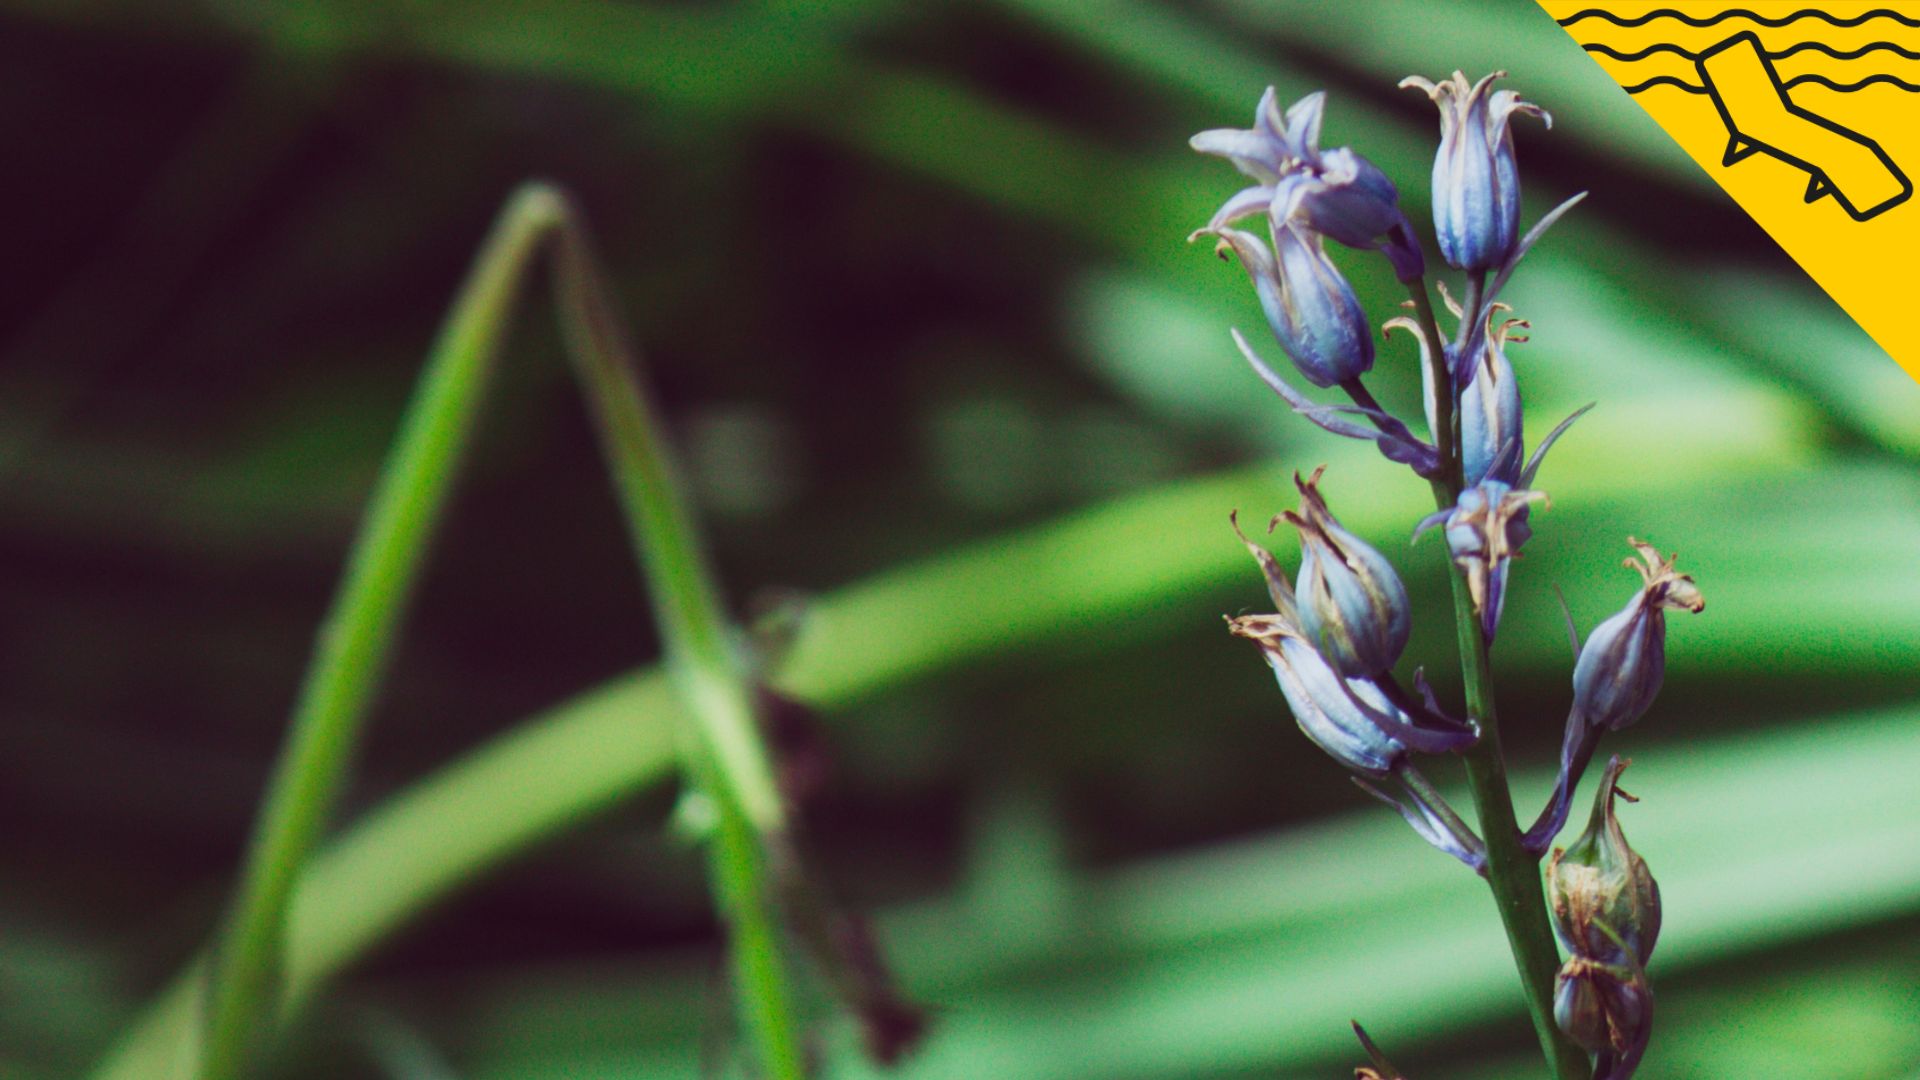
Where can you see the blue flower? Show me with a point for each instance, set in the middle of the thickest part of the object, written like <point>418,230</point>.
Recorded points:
<point>1490,416</point>
<point>1334,193</point>
<point>1352,605</point>
<point>1485,531</point>
<point>1311,308</point>
<point>1341,716</point>
<point>1476,185</point>
<point>1363,723</point>
<point>1625,658</point>
<point>1348,718</point>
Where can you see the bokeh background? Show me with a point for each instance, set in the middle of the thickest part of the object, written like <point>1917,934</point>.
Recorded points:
<point>913,288</point>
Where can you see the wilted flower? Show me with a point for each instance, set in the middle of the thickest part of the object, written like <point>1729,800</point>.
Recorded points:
<point>1476,185</point>
<point>1625,658</point>
<point>1311,308</point>
<point>1352,605</point>
<point>1485,531</point>
<point>1335,193</point>
<point>1605,901</point>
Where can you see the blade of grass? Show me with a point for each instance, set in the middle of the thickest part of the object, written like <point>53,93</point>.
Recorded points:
<point>356,640</point>
<point>721,750</point>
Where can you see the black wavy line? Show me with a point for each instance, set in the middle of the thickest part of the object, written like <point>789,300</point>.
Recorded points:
<point>1738,13</point>
<point>1878,46</point>
<point>1666,80</point>
<point>1837,54</point>
<point>1643,53</point>
<point>1831,85</point>
<point>1798,80</point>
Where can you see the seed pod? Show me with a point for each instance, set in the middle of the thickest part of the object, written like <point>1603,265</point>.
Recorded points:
<point>1604,897</point>
<point>1607,1009</point>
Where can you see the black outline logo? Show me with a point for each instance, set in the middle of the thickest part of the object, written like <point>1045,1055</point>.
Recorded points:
<point>1742,144</point>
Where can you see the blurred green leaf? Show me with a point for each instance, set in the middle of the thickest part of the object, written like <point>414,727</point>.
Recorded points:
<point>1253,956</point>
<point>1103,575</point>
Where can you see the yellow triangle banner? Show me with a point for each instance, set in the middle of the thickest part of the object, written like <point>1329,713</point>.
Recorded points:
<point>1807,112</point>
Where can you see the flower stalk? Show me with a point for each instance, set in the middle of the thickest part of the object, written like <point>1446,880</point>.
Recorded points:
<point>1333,651</point>
<point>1512,873</point>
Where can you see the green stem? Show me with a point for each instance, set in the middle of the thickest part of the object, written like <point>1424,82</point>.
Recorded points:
<point>355,641</point>
<point>724,755</point>
<point>686,602</point>
<point>721,750</point>
<point>1512,874</point>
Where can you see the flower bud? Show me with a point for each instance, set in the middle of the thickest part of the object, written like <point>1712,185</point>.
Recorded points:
<point>1352,605</point>
<point>1476,185</point>
<point>1311,308</point>
<point>1625,658</point>
<point>1490,419</point>
<point>1605,901</point>
<point>1485,530</point>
